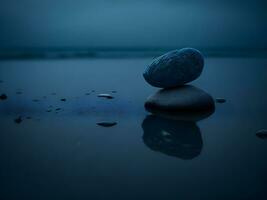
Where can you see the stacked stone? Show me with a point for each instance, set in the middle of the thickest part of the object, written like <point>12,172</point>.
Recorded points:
<point>172,127</point>
<point>171,72</point>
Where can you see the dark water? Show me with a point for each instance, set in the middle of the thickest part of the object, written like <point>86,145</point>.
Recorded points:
<point>64,154</point>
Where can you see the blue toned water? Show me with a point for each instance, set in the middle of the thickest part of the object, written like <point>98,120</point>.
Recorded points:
<point>65,155</point>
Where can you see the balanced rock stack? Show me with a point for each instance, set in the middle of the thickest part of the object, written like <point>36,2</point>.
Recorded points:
<point>171,72</point>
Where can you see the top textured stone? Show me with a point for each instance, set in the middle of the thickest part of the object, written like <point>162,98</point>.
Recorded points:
<point>175,68</point>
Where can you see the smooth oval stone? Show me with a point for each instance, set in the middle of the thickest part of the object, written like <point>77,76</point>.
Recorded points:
<point>175,68</point>
<point>183,103</point>
<point>3,97</point>
<point>106,124</point>
<point>220,100</point>
<point>18,120</point>
<point>108,96</point>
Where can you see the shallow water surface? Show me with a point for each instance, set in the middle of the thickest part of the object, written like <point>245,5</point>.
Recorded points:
<point>59,152</point>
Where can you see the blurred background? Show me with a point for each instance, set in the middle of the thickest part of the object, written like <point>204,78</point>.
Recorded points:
<point>68,28</point>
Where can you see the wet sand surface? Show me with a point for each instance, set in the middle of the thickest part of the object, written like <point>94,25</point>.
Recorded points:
<point>51,146</point>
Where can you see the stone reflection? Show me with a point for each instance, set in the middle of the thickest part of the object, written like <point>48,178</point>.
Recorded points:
<point>181,139</point>
<point>194,116</point>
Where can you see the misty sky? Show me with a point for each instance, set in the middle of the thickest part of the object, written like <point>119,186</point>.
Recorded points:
<point>133,23</point>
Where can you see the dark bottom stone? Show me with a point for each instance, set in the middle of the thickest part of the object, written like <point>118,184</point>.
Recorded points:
<point>181,103</point>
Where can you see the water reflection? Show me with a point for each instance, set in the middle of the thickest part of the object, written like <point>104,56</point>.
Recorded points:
<point>182,115</point>
<point>181,139</point>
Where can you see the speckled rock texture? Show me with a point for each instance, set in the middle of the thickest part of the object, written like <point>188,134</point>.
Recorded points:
<point>175,68</point>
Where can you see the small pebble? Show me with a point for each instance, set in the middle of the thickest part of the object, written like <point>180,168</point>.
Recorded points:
<point>44,97</point>
<point>18,120</point>
<point>28,117</point>
<point>63,99</point>
<point>262,134</point>
<point>220,100</point>
<point>3,97</point>
<point>93,90</point>
<point>108,96</point>
<point>35,100</point>
<point>48,110</point>
<point>1,81</point>
<point>87,93</point>
<point>57,109</point>
<point>19,92</point>
<point>106,124</point>
<point>114,91</point>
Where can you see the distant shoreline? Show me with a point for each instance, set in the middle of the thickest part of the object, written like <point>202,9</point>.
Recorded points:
<point>67,53</point>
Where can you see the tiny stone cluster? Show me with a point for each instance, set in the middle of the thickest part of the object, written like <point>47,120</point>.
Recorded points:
<point>53,108</point>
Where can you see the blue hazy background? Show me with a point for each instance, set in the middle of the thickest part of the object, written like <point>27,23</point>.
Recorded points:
<point>207,24</point>
<point>63,154</point>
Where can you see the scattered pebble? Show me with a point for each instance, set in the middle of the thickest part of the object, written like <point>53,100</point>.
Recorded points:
<point>18,120</point>
<point>57,109</point>
<point>1,81</point>
<point>108,96</point>
<point>48,110</point>
<point>114,91</point>
<point>18,92</point>
<point>3,97</point>
<point>63,99</point>
<point>35,100</point>
<point>220,100</point>
<point>262,134</point>
<point>93,90</point>
<point>106,124</point>
<point>87,93</point>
